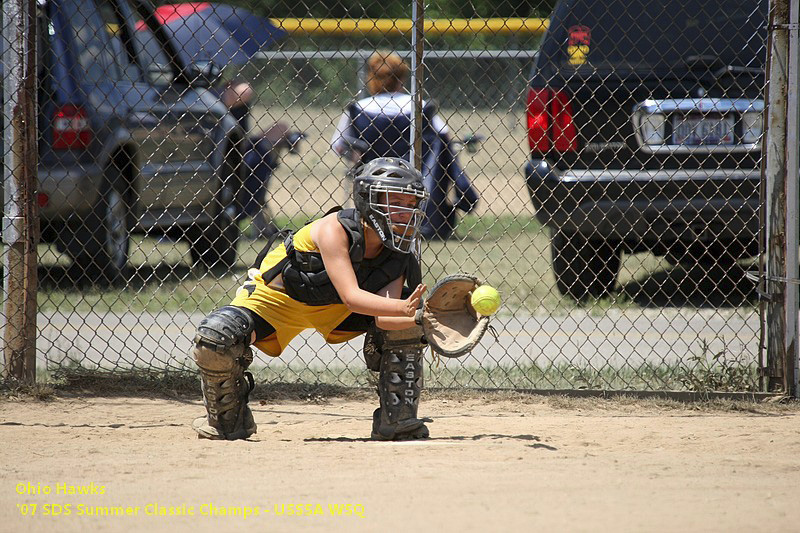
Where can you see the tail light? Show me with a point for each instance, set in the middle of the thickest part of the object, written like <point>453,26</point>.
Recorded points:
<point>538,120</point>
<point>71,128</point>
<point>550,121</point>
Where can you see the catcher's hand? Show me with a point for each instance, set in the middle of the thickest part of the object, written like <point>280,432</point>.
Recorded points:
<point>451,325</point>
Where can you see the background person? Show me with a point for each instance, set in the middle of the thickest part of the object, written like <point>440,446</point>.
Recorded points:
<point>380,126</point>
<point>260,158</point>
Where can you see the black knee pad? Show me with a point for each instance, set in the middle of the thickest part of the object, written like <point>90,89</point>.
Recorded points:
<point>226,327</point>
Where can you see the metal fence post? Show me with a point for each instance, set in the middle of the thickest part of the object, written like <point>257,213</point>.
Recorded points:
<point>777,239</point>
<point>792,178</point>
<point>417,35</point>
<point>362,77</point>
<point>20,219</point>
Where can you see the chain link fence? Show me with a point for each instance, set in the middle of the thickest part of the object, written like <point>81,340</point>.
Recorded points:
<point>603,174</point>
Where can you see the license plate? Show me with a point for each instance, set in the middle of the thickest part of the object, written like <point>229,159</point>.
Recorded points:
<point>702,130</point>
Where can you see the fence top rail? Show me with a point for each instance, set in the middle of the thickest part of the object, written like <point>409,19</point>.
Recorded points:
<point>432,27</point>
<point>364,54</point>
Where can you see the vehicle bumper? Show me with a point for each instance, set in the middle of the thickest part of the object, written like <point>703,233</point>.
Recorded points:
<point>647,207</point>
<point>70,191</point>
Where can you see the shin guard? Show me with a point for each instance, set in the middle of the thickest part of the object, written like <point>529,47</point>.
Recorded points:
<point>222,353</point>
<point>399,386</point>
<point>226,387</point>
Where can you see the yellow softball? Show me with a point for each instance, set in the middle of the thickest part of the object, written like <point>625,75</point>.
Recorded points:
<point>485,300</point>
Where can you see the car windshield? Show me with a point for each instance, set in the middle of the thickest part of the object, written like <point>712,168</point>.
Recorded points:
<point>642,35</point>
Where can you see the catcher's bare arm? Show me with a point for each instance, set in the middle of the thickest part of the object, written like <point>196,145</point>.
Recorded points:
<point>393,323</point>
<point>333,245</point>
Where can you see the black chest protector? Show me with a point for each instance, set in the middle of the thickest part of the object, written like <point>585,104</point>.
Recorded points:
<point>305,278</point>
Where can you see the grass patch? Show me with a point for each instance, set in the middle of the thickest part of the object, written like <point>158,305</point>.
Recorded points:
<point>507,251</point>
<point>700,375</point>
<point>140,382</point>
<point>185,387</point>
<point>718,371</point>
<point>706,373</point>
<point>474,228</point>
<point>40,391</point>
<point>136,382</point>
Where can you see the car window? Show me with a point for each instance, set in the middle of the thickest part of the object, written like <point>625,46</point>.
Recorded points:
<point>91,43</point>
<point>118,34</point>
<point>154,60</point>
<point>646,35</point>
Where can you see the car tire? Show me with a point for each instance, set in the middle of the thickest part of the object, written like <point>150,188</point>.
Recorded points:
<point>213,247</point>
<point>582,267</point>
<point>99,244</point>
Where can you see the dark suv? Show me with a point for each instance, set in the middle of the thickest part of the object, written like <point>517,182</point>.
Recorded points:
<point>644,124</point>
<point>130,139</point>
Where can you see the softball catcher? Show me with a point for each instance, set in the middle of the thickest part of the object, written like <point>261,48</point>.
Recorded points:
<point>350,272</point>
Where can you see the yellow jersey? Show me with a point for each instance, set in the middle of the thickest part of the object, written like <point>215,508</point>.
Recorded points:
<point>289,317</point>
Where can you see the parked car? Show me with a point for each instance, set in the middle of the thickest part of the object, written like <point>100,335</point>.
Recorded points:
<point>131,140</point>
<point>644,127</point>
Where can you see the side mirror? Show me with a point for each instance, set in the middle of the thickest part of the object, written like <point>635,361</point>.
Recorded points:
<point>202,74</point>
<point>159,74</point>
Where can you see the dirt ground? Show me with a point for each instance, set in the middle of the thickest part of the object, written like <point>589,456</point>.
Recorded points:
<point>494,463</point>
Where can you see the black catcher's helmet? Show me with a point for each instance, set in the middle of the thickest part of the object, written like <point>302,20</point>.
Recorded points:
<point>397,225</point>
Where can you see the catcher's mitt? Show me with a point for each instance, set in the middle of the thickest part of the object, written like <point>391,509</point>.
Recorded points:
<point>451,325</point>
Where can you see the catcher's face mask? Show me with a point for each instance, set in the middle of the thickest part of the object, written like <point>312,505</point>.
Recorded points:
<point>396,214</point>
<point>389,194</point>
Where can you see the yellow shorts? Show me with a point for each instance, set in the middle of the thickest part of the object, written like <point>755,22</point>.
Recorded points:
<point>288,316</point>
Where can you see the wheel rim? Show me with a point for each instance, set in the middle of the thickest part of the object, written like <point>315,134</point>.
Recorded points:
<point>116,229</point>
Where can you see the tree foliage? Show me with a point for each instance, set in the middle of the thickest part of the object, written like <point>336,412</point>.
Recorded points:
<point>397,8</point>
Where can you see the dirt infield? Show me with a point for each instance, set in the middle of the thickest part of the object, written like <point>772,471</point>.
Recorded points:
<point>499,463</point>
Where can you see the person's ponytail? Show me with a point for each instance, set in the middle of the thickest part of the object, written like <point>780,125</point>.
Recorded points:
<point>386,72</point>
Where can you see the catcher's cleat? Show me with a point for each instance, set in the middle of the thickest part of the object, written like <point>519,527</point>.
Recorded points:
<point>409,429</point>
<point>206,431</point>
<point>399,387</point>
